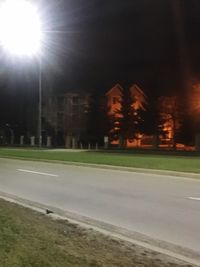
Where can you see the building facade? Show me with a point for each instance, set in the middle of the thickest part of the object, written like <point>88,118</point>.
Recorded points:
<point>66,114</point>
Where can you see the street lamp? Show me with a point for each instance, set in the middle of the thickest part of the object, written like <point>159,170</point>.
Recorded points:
<point>21,35</point>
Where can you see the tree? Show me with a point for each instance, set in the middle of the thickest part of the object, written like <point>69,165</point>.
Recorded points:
<point>151,122</point>
<point>193,109</point>
<point>131,113</point>
<point>127,117</point>
<point>190,125</point>
<point>126,107</point>
<point>171,115</point>
<point>98,120</point>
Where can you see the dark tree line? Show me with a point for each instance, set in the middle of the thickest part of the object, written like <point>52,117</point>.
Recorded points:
<point>152,120</point>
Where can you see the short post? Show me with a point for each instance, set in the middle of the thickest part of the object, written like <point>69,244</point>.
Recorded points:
<point>21,140</point>
<point>106,141</point>
<point>49,141</point>
<point>74,142</point>
<point>32,140</point>
<point>40,141</point>
<point>68,141</point>
<point>96,147</point>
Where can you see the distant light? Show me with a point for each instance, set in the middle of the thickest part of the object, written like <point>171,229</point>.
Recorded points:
<point>20,27</point>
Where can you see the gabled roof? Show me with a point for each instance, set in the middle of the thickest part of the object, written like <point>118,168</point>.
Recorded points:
<point>117,88</point>
<point>135,89</point>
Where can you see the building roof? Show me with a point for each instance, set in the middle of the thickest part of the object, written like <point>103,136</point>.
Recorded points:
<point>117,88</point>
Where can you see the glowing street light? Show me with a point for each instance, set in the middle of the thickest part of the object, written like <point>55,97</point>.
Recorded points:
<point>20,27</point>
<point>21,35</point>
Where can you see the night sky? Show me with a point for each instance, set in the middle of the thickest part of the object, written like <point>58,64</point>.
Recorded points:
<point>149,42</point>
<point>154,43</point>
<point>121,41</point>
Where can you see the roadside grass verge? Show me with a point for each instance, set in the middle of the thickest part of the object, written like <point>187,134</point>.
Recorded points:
<point>173,162</point>
<point>32,239</point>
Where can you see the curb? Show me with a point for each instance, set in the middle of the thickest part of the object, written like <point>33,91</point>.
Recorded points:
<point>161,247</point>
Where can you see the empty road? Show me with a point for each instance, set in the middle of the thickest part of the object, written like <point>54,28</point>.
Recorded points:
<point>162,207</point>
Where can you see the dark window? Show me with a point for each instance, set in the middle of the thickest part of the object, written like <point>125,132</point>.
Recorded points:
<point>75,100</point>
<point>60,119</point>
<point>60,102</point>
<point>115,100</point>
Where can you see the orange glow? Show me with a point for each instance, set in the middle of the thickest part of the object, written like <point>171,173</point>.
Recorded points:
<point>169,117</point>
<point>114,97</point>
<point>194,99</point>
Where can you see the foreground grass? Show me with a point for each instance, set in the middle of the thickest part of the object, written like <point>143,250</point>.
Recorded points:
<point>31,239</point>
<point>174,162</point>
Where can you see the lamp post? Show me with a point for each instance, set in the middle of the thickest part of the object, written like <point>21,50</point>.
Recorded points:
<point>40,105</point>
<point>21,36</point>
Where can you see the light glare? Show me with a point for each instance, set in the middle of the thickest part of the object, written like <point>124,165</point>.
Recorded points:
<point>20,27</point>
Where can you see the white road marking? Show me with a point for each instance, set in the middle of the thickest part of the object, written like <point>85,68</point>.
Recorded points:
<point>194,198</point>
<point>40,173</point>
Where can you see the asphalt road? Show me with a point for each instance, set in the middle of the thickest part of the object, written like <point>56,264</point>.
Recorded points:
<point>162,207</point>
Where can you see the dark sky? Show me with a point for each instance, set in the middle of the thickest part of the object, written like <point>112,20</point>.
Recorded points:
<point>153,43</point>
<point>126,41</point>
<point>120,41</point>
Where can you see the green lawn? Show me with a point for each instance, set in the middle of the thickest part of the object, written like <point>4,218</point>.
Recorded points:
<point>31,239</point>
<point>175,162</point>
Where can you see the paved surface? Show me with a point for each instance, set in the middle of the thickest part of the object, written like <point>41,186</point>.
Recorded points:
<point>162,207</point>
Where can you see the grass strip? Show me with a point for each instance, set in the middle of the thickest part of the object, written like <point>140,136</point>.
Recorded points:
<point>149,161</point>
<point>31,239</point>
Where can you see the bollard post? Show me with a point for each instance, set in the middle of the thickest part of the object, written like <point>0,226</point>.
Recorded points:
<point>21,140</point>
<point>32,140</point>
<point>96,147</point>
<point>49,141</point>
<point>106,141</point>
